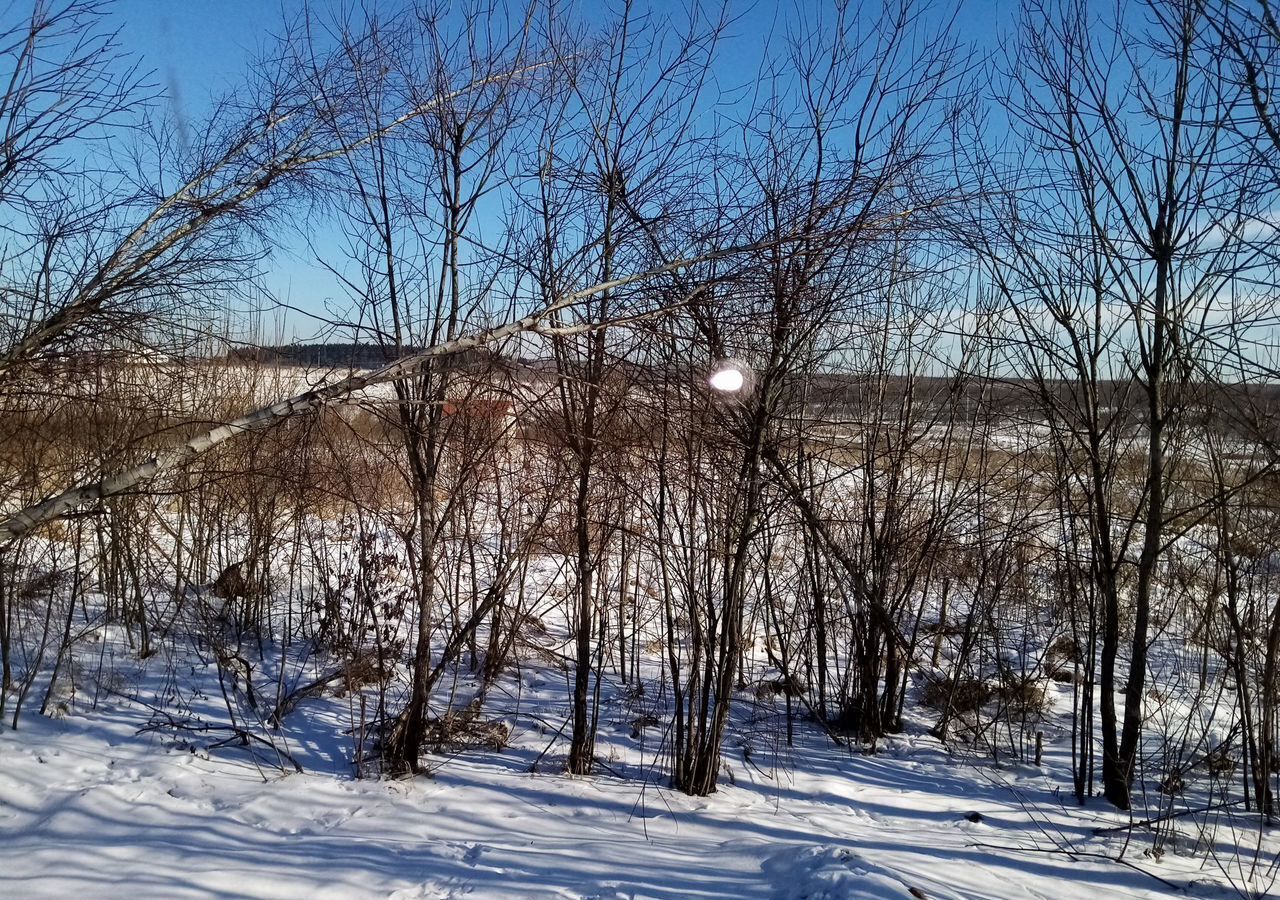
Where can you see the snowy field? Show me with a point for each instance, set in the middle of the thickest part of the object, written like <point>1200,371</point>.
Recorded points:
<point>99,802</point>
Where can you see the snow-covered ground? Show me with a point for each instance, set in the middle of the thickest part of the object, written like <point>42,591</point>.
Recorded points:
<point>90,807</point>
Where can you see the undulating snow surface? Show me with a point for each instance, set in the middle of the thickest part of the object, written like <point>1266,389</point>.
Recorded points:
<point>90,807</point>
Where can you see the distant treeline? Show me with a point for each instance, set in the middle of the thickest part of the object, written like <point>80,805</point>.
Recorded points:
<point>354,356</point>
<point>844,395</point>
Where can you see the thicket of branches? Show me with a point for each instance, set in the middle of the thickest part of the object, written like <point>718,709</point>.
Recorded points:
<point>1008,427</point>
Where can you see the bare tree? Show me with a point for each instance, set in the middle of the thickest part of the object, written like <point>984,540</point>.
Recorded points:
<point>615,162</point>
<point>1111,253</point>
<point>825,174</point>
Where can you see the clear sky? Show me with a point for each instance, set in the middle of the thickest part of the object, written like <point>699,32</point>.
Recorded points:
<point>197,49</point>
<point>201,46</point>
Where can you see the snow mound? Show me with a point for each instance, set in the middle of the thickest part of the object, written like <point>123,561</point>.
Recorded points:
<point>831,873</point>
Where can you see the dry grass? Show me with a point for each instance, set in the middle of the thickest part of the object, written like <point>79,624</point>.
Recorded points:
<point>464,729</point>
<point>961,695</point>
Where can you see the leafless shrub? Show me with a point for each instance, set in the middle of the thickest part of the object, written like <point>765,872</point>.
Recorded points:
<point>961,695</point>
<point>464,729</point>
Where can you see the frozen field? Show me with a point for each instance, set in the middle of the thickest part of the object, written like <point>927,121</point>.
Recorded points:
<point>90,807</point>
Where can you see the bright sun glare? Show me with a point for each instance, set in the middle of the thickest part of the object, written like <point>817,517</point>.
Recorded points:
<point>729,380</point>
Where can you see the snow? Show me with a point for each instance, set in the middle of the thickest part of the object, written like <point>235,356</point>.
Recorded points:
<point>92,807</point>
<point>107,798</point>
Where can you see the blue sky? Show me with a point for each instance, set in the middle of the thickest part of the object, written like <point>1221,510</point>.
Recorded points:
<point>198,47</point>
<point>197,50</point>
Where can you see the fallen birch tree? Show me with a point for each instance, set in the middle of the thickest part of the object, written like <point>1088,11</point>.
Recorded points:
<point>25,520</point>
